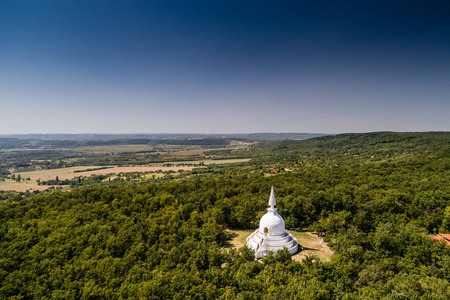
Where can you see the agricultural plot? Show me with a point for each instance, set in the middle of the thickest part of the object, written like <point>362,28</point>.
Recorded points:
<point>32,184</point>
<point>205,162</point>
<point>114,149</point>
<point>115,170</point>
<point>21,187</point>
<point>184,153</point>
<point>69,173</point>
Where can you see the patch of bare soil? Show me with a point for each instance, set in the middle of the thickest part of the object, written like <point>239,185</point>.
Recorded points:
<point>312,245</point>
<point>239,237</point>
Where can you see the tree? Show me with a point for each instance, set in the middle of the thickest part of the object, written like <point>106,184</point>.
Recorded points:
<point>446,220</point>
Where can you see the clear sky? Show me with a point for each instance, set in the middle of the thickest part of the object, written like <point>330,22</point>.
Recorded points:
<point>228,66</point>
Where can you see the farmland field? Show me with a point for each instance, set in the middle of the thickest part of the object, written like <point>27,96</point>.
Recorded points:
<point>21,187</point>
<point>115,148</point>
<point>69,173</point>
<point>207,161</point>
<point>115,170</point>
<point>30,179</point>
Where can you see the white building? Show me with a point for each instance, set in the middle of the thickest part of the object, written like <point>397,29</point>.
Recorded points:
<point>271,234</point>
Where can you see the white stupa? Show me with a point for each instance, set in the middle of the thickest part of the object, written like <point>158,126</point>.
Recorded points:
<point>271,234</point>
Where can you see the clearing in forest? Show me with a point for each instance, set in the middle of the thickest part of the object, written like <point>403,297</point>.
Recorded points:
<point>312,244</point>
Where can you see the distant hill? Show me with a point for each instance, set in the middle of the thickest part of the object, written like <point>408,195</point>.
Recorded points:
<point>158,136</point>
<point>373,142</point>
<point>266,136</point>
<point>13,143</point>
<point>355,148</point>
<point>33,141</point>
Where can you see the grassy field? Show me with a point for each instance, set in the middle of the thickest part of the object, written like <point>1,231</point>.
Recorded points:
<point>205,162</point>
<point>114,149</point>
<point>68,173</point>
<point>312,245</point>
<point>53,172</point>
<point>11,185</point>
<point>186,152</point>
<point>24,185</point>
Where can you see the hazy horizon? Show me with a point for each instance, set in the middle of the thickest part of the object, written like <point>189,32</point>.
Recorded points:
<point>202,133</point>
<point>162,133</point>
<point>118,67</point>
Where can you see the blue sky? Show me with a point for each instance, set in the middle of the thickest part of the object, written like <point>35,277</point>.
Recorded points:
<point>224,66</point>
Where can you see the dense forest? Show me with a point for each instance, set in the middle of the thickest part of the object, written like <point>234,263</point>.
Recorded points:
<point>379,197</point>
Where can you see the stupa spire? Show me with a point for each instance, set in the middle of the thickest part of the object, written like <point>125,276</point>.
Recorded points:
<point>272,202</point>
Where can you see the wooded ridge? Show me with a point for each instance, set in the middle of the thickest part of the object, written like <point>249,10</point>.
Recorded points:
<point>379,197</point>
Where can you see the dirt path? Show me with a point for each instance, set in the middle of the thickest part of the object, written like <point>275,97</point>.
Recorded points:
<point>312,245</point>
